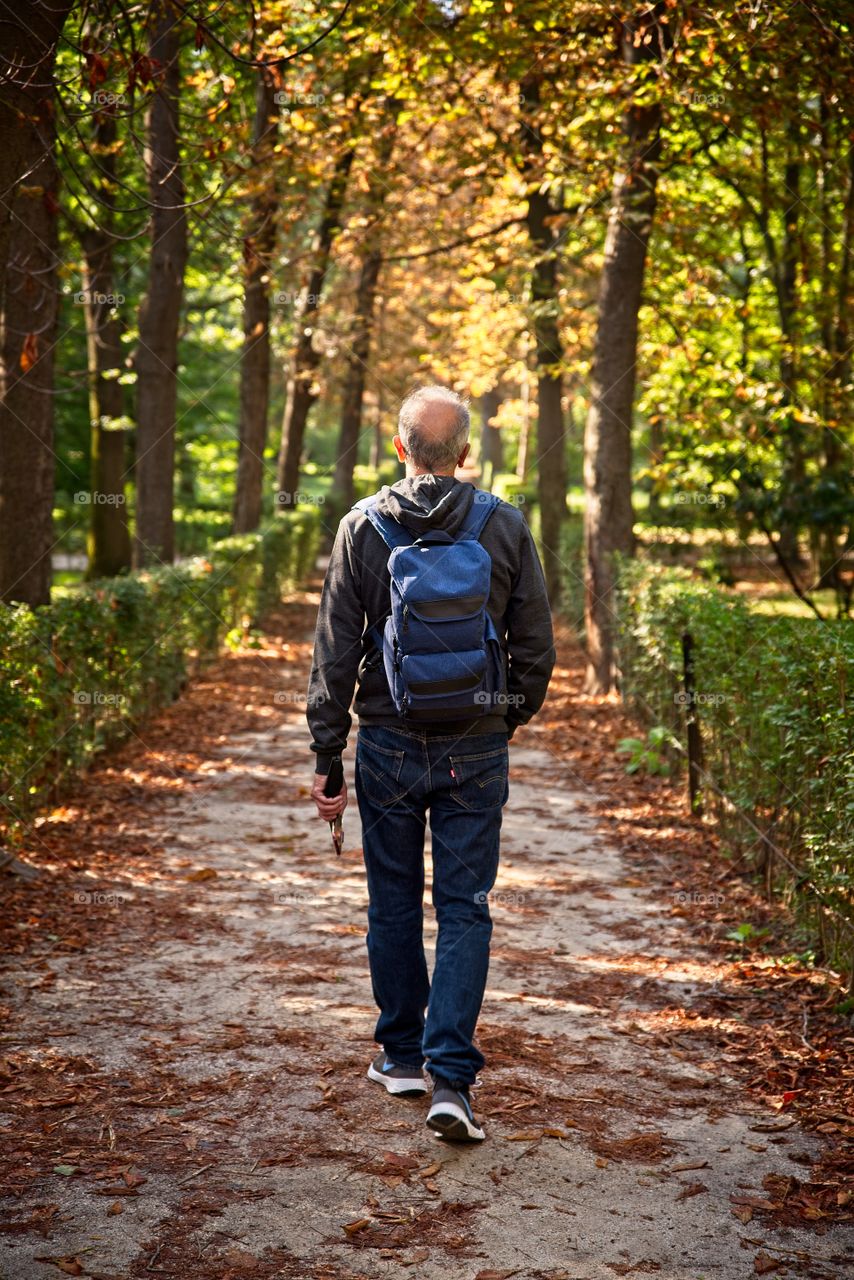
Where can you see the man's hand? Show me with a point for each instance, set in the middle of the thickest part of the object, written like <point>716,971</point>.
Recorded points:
<point>328,807</point>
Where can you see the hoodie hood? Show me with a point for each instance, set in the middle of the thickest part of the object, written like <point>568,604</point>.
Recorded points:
<point>427,502</point>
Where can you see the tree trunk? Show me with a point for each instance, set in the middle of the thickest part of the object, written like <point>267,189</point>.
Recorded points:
<point>525,424</point>
<point>794,465</point>
<point>830,540</point>
<point>259,246</point>
<point>608,435</point>
<point>160,313</point>
<point>551,454</point>
<point>354,383</point>
<point>28,40</point>
<point>301,394</point>
<point>109,540</point>
<point>362,332</point>
<point>27,360</point>
<point>491,450</point>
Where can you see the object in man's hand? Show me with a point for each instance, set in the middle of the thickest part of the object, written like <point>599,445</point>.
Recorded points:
<point>333,786</point>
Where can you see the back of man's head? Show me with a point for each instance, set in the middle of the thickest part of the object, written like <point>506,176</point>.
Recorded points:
<point>434,427</point>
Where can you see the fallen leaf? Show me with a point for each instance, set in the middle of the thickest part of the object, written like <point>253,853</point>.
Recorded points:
<point>763,1264</point>
<point>352,1227</point>
<point>204,873</point>
<point>71,1266</point>
<point>694,1189</point>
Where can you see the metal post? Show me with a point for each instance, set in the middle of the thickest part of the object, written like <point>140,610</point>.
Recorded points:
<point>695,742</point>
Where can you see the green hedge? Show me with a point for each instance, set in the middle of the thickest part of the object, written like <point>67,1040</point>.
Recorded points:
<point>774,703</point>
<point>195,530</point>
<point>75,674</point>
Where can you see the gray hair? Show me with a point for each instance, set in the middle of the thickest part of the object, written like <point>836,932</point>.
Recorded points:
<point>426,450</point>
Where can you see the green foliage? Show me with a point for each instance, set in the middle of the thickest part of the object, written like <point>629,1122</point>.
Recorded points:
<point>521,493</point>
<point>78,673</point>
<point>746,934</point>
<point>196,529</point>
<point>572,566</point>
<point>647,755</point>
<point>773,702</point>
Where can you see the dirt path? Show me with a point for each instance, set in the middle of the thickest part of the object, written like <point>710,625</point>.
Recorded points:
<point>184,1064</point>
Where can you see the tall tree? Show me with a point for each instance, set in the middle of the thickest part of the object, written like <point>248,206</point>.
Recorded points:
<point>491,450</point>
<point>301,392</point>
<point>608,517</point>
<point>29,248</point>
<point>28,40</point>
<point>157,351</point>
<point>551,430</point>
<point>259,245</point>
<point>358,347</point>
<point>109,539</point>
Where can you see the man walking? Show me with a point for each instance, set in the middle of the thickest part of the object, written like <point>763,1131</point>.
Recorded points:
<point>444,670</point>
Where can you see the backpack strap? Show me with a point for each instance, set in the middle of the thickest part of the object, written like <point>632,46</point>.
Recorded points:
<point>392,533</point>
<point>482,507</point>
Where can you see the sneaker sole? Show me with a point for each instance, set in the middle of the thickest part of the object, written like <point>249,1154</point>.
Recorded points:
<point>454,1126</point>
<point>400,1088</point>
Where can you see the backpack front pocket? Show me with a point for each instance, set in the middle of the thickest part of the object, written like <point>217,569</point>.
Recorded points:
<point>444,625</point>
<point>440,681</point>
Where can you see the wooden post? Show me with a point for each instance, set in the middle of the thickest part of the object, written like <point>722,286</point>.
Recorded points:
<point>695,742</point>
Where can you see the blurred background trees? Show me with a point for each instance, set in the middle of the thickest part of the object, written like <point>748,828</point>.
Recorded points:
<point>231,240</point>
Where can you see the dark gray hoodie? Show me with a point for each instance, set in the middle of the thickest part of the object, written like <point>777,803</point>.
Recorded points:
<point>356,595</point>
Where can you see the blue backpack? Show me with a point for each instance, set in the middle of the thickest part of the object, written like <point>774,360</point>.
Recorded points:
<point>441,651</point>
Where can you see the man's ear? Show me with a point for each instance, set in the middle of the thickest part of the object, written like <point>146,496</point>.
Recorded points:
<point>465,453</point>
<point>399,449</point>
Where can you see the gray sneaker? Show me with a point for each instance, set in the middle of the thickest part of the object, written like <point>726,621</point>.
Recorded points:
<point>451,1115</point>
<point>405,1082</point>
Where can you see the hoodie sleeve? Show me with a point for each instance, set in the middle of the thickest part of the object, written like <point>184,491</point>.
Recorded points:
<point>337,651</point>
<point>530,639</point>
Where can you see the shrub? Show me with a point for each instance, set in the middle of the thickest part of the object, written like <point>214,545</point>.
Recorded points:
<point>196,529</point>
<point>76,674</point>
<point>773,700</point>
<point>522,493</point>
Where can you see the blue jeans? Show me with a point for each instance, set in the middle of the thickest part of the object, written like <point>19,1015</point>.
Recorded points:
<point>401,774</point>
